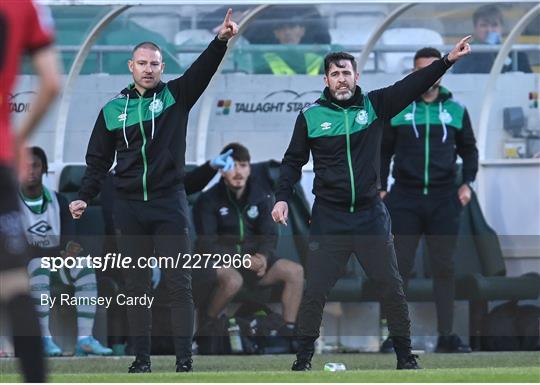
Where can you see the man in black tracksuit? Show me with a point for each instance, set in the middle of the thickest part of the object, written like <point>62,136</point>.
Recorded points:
<point>425,139</point>
<point>343,131</point>
<point>145,125</point>
<point>233,217</point>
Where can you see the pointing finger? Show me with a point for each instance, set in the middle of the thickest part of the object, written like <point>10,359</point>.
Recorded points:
<point>228,17</point>
<point>465,39</point>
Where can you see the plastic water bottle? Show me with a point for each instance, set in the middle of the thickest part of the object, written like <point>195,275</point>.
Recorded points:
<point>234,336</point>
<point>384,333</point>
<point>319,342</point>
<point>334,367</point>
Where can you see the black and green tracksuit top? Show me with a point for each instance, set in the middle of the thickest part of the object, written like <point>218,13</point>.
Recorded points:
<point>228,225</point>
<point>425,139</point>
<point>345,140</point>
<point>148,134</point>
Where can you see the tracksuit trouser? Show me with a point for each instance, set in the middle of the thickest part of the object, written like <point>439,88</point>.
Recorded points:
<point>156,228</point>
<point>334,236</point>
<point>437,217</point>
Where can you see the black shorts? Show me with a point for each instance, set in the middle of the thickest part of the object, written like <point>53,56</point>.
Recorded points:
<point>13,244</point>
<point>250,277</point>
<point>203,280</point>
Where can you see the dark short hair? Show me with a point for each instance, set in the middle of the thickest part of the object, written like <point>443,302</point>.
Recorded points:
<point>335,58</point>
<point>38,151</point>
<point>488,12</point>
<point>240,152</point>
<point>427,52</point>
<point>147,44</point>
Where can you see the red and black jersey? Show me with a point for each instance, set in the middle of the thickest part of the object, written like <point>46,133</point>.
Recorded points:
<point>24,28</point>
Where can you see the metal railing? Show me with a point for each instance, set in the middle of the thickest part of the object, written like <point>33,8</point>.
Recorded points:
<point>243,49</point>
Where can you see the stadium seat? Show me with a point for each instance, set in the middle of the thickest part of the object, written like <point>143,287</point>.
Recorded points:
<point>401,62</point>
<point>355,29</point>
<point>191,37</point>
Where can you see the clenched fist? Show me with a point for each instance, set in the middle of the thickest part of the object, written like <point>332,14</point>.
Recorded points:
<point>77,208</point>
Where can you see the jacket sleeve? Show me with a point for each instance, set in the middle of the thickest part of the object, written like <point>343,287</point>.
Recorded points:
<point>189,87</point>
<point>390,101</point>
<point>99,158</point>
<point>266,229</point>
<point>466,149</point>
<point>387,152</point>
<point>197,179</point>
<point>206,225</point>
<point>67,226</point>
<point>296,156</point>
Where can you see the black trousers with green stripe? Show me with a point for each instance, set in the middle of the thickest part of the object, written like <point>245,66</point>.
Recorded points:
<point>158,228</point>
<point>334,236</point>
<point>437,217</point>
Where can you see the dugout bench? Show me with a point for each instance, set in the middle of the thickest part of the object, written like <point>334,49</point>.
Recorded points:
<point>479,263</point>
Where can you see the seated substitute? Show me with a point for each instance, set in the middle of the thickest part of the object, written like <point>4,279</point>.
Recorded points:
<point>233,217</point>
<point>50,231</point>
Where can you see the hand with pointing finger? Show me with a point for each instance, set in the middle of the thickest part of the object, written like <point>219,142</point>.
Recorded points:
<point>462,48</point>
<point>228,28</point>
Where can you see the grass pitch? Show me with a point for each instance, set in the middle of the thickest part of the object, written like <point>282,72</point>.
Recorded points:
<point>365,367</point>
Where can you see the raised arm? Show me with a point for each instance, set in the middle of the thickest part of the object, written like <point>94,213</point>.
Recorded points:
<point>190,86</point>
<point>197,179</point>
<point>391,100</point>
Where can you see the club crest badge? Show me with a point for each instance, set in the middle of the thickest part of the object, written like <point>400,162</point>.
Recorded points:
<point>253,212</point>
<point>361,117</point>
<point>156,106</point>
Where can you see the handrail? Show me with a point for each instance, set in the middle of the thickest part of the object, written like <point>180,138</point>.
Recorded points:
<point>101,50</point>
<point>197,48</point>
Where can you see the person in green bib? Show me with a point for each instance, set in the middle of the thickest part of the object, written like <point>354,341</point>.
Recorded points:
<point>291,61</point>
<point>424,141</point>
<point>50,231</point>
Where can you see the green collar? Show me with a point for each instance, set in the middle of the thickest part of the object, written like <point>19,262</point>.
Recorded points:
<point>46,196</point>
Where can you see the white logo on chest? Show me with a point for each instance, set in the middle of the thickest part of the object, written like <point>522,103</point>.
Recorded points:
<point>40,228</point>
<point>361,117</point>
<point>445,116</point>
<point>156,106</point>
<point>326,126</point>
<point>253,212</point>
<point>224,211</point>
